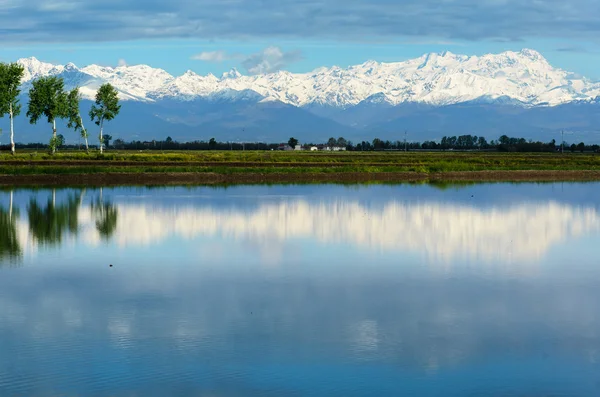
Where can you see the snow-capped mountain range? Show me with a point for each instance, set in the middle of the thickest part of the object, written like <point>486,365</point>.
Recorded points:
<point>524,78</point>
<point>513,93</point>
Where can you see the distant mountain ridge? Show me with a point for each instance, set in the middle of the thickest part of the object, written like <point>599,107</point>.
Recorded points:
<point>523,77</point>
<point>516,93</point>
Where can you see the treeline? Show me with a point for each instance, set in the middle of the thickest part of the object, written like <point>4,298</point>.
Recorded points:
<point>49,100</point>
<point>463,142</point>
<point>212,144</point>
<point>473,142</point>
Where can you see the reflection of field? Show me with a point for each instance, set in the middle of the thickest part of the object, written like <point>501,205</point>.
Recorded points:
<point>440,231</point>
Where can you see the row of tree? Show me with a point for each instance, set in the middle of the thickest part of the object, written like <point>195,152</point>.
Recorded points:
<point>472,142</point>
<point>48,98</point>
<point>464,142</point>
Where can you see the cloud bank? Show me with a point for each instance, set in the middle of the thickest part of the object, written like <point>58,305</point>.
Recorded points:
<point>269,60</point>
<point>115,20</point>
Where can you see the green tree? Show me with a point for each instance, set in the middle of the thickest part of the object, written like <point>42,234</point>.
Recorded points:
<point>212,144</point>
<point>482,142</point>
<point>60,141</point>
<point>293,142</point>
<point>573,148</point>
<point>378,144</point>
<point>106,140</point>
<point>10,81</point>
<point>74,115</point>
<point>106,108</point>
<point>47,98</point>
<point>581,147</point>
<point>341,142</point>
<point>331,142</point>
<point>119,143</point>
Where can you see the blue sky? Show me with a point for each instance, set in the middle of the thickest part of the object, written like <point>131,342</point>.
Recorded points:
<point>212,36</point>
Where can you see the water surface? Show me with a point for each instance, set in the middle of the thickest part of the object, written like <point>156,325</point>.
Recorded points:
<point>483,290</point>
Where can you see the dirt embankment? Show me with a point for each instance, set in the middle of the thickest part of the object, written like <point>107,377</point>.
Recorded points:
<point>106,179</point>
<point>232,164</point>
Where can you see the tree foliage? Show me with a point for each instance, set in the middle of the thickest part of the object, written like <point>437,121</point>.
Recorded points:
<point>47,98</point>
<point>10,81</point>
<point>73,113</point>
<point>106,108</point>
<point>107,105</point>
<point>293,142</point>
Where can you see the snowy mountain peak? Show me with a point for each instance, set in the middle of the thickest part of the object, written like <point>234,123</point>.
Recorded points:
<point>35,68</point>
<point>232,74</point>
<point>523,77</point>
<point>71,67</point>
<point>532,54</point>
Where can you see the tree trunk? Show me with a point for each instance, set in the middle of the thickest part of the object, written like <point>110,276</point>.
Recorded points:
<point>12,131</point>
<point>53,198</point>
<point>54,136</point>
<point>85,134</point>
<point>101,140</point>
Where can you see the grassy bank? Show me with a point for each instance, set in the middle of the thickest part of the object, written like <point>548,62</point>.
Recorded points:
<point>297,166</point>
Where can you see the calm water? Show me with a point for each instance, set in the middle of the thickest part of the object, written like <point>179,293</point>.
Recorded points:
<point>485,290</point>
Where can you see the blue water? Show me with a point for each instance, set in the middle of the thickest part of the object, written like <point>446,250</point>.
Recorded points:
<point>320,290</point>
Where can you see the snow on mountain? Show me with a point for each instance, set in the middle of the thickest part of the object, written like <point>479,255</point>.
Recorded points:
<point>188,87</point>
<point>523,77</point>
<point>35,68</point>
<point>138,80</point>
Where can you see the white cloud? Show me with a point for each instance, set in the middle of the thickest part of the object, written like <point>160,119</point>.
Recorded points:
<point>122,62</point>
<point>214,56</point>
<point>269,60</point>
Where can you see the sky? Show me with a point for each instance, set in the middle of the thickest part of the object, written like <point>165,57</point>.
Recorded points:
<point>213,36</point>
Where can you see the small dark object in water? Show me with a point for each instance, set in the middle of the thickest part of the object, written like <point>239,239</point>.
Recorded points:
<point>110,265</point>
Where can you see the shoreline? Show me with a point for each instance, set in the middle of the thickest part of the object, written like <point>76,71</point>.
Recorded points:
<point>210,178</point>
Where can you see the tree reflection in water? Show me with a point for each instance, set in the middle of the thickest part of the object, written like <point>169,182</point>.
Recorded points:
<point>105,213</point>
<point>10,248</point>
<point>48,224</point>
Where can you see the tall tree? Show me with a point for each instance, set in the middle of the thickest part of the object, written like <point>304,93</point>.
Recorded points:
<point>10,81</point>
<point>292,142</point>
<point>106,108</point>
<point>331,143</point>
<point>48,98</point>
<point>75,120</point>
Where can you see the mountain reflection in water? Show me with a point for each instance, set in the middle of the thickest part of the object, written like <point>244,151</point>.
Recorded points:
<point>318,290</point>
<point>441,231</point>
